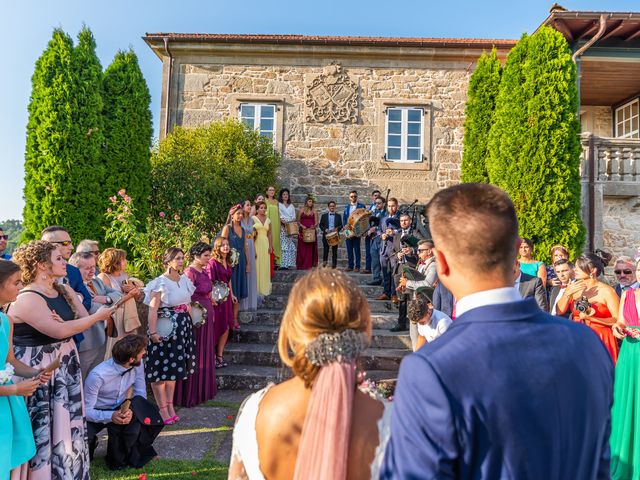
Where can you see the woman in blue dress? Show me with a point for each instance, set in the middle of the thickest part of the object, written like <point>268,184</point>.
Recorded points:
<point>235,234</point>
<point>16,435</point>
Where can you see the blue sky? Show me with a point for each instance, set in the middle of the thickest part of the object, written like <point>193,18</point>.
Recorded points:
<point>26,27</point>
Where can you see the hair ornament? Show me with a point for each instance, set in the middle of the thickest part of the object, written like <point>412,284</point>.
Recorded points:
<point>344,346</point>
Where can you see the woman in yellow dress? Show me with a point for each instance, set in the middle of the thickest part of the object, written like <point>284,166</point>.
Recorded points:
<point>263,243</point>
<point>273,212</point>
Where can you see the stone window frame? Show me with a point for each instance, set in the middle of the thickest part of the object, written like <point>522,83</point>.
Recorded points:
<point>381,104</point>
<point>278,100</point>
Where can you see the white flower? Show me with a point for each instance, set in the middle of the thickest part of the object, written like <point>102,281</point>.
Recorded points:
<point>6,374</point>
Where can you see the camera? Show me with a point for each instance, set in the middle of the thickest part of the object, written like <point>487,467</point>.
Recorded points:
<point>582,305</point>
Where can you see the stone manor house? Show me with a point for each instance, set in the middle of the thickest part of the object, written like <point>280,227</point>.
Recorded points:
<point>388,113</point>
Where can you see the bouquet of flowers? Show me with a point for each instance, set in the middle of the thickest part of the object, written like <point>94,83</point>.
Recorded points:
<point>6,374</point>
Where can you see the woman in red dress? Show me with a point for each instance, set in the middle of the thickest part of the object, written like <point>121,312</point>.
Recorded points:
<point>307,254</point>
<point>604,302</point>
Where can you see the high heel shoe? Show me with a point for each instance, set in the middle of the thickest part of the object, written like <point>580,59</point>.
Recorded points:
<point>175,418</point>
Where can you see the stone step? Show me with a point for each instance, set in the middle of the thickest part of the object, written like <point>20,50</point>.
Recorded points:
<point>284,288</point>
<point>273,317</point>
<point>251,377</point>
<point>279,302</point>
<point>268,334</point>
<point>260,354</point>
<point>290,276</point>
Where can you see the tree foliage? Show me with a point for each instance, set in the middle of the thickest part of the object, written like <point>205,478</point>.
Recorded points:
<point>212,166</point>
<point>63,164</point>
<point>484,85</point>
<point>534,149</point>
<point>14,229</point>
<point>128,129</point>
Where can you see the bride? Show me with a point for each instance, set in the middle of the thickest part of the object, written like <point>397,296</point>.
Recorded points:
<point>317,425</point>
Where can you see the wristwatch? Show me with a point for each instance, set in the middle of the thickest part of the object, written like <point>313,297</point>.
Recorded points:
<point>109,300</point>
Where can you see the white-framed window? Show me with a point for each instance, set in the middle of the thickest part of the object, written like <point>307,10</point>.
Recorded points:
<point>260,117</point>
<point>403,134</point>
<point>627,119</point>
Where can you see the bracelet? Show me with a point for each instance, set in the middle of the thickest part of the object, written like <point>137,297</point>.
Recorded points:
<point>152,333</point>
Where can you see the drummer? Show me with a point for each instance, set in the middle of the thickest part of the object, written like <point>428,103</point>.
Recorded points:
<point>353,244</point>
<point>330,221</point>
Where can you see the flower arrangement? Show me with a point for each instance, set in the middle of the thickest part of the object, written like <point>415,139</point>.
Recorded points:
<point>377,391</point>
<point>6,374</point>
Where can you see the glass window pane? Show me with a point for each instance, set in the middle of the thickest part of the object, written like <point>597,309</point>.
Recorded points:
<point>413,154</point>
<point>267,111</point>
<point>413,141</point>
<point>634,123</point>
<point>414,128</point>
<point>266,124</point>
<point>248,122</point>
<point>395,127</point>
<point>634,108</point>
<point>247,111</point>
<point>393,154</point>
<point>267,135</point>
<point>395,114</point>
<point>394,140</point>
<point>414,115</point>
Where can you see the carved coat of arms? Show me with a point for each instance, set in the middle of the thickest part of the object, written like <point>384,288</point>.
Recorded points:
<point>332,97</point>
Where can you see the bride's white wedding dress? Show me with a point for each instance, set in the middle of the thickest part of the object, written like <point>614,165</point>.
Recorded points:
<point>244,455</point>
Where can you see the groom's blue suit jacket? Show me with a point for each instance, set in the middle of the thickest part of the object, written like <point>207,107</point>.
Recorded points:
<point>508,392</point>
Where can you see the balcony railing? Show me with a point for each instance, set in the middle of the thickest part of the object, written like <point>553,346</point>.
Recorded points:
<point>615,159</point>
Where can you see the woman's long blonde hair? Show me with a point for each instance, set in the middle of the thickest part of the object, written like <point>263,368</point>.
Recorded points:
<point>322,301</point>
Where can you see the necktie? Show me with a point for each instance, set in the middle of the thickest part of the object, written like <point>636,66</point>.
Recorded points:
<point>126,371</point>
<point>92,288</point>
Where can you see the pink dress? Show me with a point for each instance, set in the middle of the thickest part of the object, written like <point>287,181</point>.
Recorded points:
<point>201,386</point>
<point>223,312</point>
<point>307,255</point>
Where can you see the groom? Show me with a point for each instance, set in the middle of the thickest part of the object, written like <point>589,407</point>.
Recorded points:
<point>509,391</point>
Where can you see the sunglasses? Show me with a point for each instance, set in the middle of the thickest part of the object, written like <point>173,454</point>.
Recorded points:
<point>66,243</point>
<point>353,196</point>
<point>620,272</point>
<point>4,237</point>
<point>424,249</point>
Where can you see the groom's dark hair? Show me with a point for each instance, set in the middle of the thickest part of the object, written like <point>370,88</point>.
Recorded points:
<point>477,222</point>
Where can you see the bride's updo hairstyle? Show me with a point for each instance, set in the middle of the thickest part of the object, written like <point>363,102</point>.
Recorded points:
<point>322,301</point>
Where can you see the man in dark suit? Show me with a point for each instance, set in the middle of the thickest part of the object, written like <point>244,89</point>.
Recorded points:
<point>508,391</point>
<point>330,222</point>
<point>530,286</point>
<point>402,254</point>
<point>443,300</point>
<point>625,272</point>
<point>353,244</point>
<point>564,272</point>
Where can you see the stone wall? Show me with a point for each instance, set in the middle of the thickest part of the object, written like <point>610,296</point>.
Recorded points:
<point>328,159</point>
<point>597,120</point>
<point>621,225</point>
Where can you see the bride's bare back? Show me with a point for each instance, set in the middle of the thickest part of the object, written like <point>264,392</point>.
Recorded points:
<point>279,425</point>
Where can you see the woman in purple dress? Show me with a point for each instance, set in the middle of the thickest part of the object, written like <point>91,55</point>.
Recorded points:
<point>219,270</point>
<point>201,386</point>
<point>307,255</point>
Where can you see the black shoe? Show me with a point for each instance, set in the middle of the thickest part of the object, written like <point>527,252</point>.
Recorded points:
<point>374,283</point>
<point>399,328</point>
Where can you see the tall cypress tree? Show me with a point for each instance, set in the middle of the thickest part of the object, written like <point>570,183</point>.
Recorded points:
<point>49,131</point>
<point>534,149</point>
<point>128,129</point>
<point>484,85</point>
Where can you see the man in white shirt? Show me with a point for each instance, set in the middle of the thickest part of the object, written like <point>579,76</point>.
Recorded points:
<point>430,323</point>
<point>132,423</point>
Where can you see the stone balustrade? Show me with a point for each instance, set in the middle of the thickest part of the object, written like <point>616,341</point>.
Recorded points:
<point>617,161</point>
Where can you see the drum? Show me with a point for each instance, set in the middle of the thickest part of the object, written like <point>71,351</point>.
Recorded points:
<point>198,314</point>
<point>166,325</point>
<point>220,292</point>
<point>309,235</point>
<point>333,239</point>
<point>291,229</point>
<point>358,223</point>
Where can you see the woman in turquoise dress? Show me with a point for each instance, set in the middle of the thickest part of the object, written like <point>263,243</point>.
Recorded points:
<point>528,265</point>
<point>16,435</point>
<point>625,413</point>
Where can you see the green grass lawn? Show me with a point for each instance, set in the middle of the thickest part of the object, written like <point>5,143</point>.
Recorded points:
<point>163,469</point>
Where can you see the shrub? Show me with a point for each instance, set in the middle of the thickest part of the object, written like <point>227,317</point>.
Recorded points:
<point>212,166</point>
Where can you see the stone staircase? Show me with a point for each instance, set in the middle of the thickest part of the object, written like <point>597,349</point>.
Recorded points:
<point>252,352</point>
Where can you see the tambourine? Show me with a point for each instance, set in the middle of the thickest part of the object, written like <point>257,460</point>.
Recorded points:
<point>234,257</point>
<point>198,314</point>
<point>220,292</point>
<point>166,325</point>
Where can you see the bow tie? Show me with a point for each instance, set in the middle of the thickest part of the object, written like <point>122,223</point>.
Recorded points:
<point>562,286</point>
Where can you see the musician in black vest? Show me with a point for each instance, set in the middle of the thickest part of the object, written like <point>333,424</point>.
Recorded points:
<point>330,222</point>
<point>402,253</point>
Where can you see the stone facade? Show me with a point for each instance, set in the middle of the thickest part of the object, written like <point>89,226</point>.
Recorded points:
<point>621,225</point>
<point>597,120</point>
<point>331,109</point>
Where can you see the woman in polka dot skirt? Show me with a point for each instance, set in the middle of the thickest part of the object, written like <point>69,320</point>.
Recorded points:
<point>170,357</point>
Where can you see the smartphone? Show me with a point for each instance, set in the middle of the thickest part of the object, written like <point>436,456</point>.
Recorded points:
<point>52,366</point>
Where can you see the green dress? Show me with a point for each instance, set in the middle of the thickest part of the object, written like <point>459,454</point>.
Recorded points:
<point>625,413</point>
<point>16,436</point>
<point>273,213</point>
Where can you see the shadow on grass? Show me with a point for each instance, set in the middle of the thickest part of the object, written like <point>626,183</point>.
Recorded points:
<point>163,469</point>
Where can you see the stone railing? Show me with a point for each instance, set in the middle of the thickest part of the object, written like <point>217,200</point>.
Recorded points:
<point>616,159</point>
